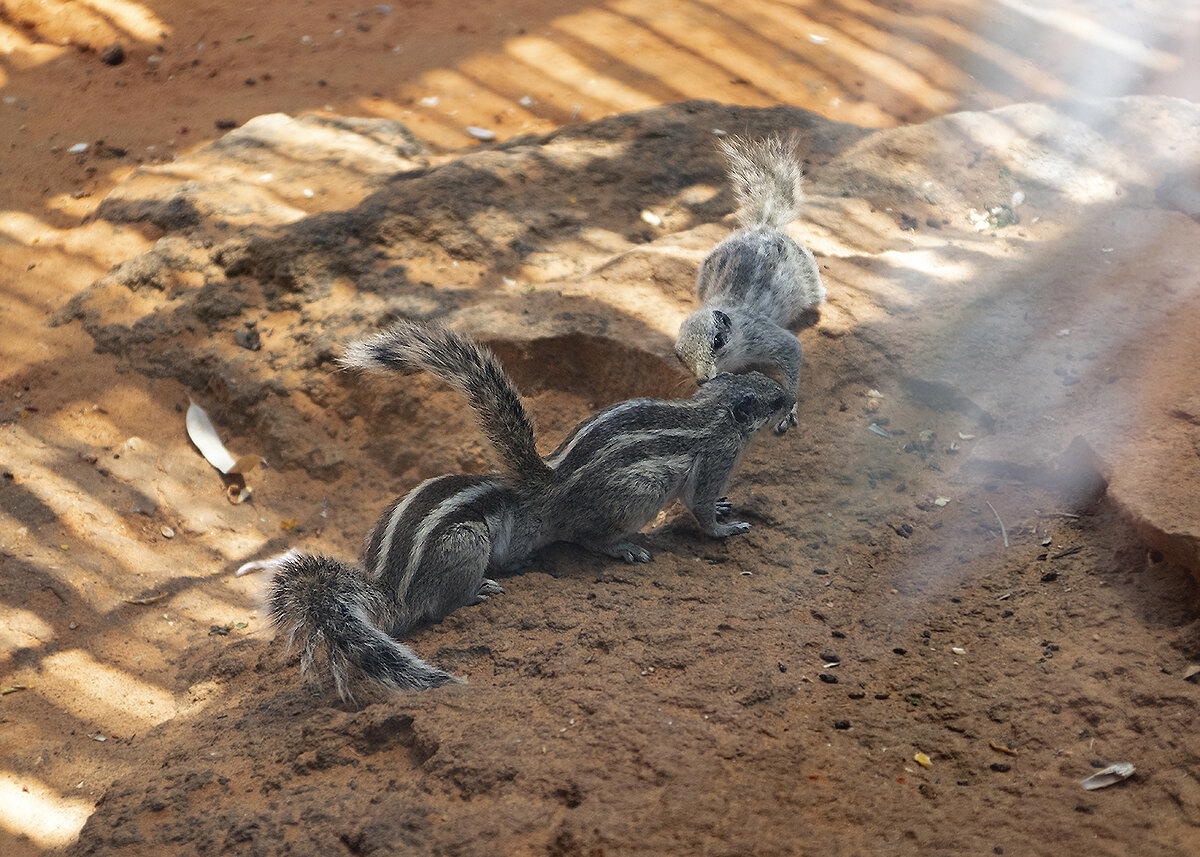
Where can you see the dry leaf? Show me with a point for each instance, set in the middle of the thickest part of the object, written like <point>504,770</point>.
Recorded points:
<point>204,435</point>
<point>923,760</point>
<point>1111,775</point>
<point>1002,748</point>
<point>13,688</point>
<point>148,599</point>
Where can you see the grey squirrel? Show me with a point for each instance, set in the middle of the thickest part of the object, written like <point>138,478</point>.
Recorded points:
<point>758,282</point>
<point>437,548</point>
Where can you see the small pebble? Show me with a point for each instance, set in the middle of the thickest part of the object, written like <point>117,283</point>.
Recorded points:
<point>481,134</point>
<point>1000,767</point>
<point>828,678</point>
<point>827,657</point>
<point>820,571</point>
<point>857,694</point>
<point>899,651</point>
<point>837,635</point>
<point>167,532</point>
<point>225,124</point>
<point>841,724</point>
<point>882,695</point>
<point>1050,577</point>
<point>78,148</point>
<point>114,54</point>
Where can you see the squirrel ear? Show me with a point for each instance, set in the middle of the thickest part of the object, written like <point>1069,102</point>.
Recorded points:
<point>723,320</point>
<point>742,407</point>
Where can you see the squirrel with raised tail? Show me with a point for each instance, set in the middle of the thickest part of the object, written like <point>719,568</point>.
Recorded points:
<point>758,282</point>
<point>437,548</point>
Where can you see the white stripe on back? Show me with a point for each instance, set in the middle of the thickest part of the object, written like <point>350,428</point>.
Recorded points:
<point>385,544</point>
<point>438,514</point>
<point>622,441</point>
<point>558,457</point>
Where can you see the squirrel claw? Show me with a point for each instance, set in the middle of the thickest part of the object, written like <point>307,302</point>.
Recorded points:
<point>733,528</point>
<point>635,554</point>
<point>723,506</point>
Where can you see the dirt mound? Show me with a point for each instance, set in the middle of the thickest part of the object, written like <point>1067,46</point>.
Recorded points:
<point>1000,284</point>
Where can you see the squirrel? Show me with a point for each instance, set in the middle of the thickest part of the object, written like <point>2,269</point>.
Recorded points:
<point>758,282</point>
<point>437,548</point>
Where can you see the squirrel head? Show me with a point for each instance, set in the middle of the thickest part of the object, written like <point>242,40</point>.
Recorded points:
<point>703,336</point>
<point>752,398</point>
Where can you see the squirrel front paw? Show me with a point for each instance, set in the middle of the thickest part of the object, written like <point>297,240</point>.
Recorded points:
<point>787,422</point>
<point>723,506</point>
<point>490,587</point>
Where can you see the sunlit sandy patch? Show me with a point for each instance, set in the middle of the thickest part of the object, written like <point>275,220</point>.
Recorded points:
<point>30,808</point>
<point>99,693</point>
<point>20,628</point>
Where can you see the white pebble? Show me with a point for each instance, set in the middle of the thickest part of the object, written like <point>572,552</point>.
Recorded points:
<point>525,101</point>
<point>817,40</point>
<point>650,217</point>
<point>154,59</point>
<point>481,133</point>
<point>266,177</point>
<point>306,40</point>
<point>168,533</point>
<point>308,193</point>
<point>77,148</point>
<point>429,101</point>
<point>1017,198</point>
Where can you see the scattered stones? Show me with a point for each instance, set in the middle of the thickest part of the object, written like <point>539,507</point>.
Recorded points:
<point>841,724</point>
<point>828,678</point>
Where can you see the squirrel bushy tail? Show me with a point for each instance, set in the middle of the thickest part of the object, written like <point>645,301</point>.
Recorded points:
<point>332,613</point>
<point>767,179</point>
<point>470,368</point>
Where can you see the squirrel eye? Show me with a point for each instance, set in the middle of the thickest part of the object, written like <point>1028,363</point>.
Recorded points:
<point>719,340</point>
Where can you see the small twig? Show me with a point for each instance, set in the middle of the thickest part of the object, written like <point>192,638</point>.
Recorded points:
<point>1003,529</point>
<point>1067,552</point>
<point>1057,515</point>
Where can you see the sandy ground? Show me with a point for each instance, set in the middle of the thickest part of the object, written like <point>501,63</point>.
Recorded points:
<point>127,647</point>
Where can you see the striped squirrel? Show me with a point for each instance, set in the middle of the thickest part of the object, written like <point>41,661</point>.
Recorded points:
<point>758,282</point>
<point>436,549</point>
